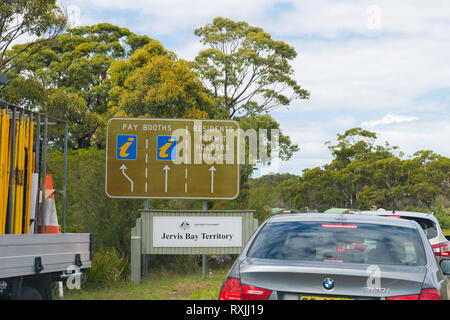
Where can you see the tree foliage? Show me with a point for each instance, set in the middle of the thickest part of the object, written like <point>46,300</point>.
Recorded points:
<point>19,18</point>
<point>363,174</point>
<point>68,77</point>
<point>154,82</point>
<point>265,122</point>
<point>246,70</point>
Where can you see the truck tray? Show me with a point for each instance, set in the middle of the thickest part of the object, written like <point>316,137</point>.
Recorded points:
<point>30,254</point>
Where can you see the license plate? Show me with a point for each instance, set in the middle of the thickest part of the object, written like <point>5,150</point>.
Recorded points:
<point>323,298</point>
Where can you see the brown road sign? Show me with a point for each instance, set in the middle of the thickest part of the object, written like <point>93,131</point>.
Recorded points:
<point>172,159</point>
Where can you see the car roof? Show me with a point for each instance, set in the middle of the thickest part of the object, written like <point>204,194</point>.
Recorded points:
<point>342,218</point>
<point>400,213</point>
<point>340,210</point>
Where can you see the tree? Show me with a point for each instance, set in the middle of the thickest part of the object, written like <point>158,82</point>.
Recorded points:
<point>246,70</point>
<point>358,144</point>
<point>266,122</point>
<point>363,174</point>
<point>18,18</point>
<point>154,82</point>
<point>68,77</point>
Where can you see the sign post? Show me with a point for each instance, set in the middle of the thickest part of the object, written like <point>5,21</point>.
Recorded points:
<point>145,257</point>
<point>187,232</point>
<point>204,265</point>
<point>177,159</point>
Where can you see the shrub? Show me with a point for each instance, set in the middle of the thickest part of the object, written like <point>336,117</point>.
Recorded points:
<point>107,267</point>
<point>442,214</point>
<point>444,221</point>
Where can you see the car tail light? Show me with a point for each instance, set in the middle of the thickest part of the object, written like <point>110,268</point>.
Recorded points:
<point>409,297</point>
<point>253,293</point>
<point>342,226</point>
<point>233,290</point>
<point>394,216</point>
<point>441,249</point>
<point>430,294</point>
<point>425,294</point>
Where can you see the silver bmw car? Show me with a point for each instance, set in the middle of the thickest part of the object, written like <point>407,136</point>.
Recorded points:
<point>337,257</point>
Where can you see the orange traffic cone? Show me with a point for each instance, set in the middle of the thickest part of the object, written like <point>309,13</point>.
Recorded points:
<point>49,215</point>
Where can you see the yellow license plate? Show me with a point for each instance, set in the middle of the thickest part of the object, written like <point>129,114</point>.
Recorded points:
<point>323,298</point>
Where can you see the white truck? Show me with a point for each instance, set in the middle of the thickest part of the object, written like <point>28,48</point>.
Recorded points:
<point>30,261</point>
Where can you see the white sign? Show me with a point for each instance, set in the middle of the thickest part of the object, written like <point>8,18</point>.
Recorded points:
<point>188,231</point>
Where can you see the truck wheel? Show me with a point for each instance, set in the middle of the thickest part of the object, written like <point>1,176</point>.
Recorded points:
<point>29,293</point>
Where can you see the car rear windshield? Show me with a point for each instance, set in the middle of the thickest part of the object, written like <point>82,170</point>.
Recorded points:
<point>339,242</point>
<point>428,226</point>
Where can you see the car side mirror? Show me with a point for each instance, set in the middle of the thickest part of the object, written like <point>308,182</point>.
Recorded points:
<point>445,266</point>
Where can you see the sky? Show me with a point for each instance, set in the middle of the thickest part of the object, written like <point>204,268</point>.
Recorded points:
<point>383,65</point>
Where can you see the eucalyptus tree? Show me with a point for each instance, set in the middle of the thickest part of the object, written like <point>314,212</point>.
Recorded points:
<point>156,83</point>
<point>68,77</point>
<point>43,19</point>
<point>246,70</point>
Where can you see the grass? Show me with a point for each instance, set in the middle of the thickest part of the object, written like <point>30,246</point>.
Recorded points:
<point>446,232</point>
<point>161,285</point>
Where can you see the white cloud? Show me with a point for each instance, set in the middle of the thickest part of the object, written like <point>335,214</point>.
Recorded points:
<point>363,74</point>
<point>432,134</point>
<point>337,19</point>
<point>388,119</point>
<point>189,49</point>
<point>169,17</point>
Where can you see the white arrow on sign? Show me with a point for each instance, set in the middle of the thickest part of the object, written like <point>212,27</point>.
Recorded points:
<point>212,169</point>
<point>123,168</point>
<point>166,169</point>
